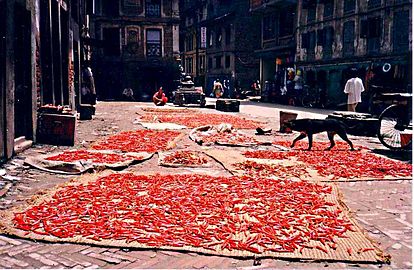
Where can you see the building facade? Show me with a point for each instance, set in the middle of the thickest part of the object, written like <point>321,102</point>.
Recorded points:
<point>278,44</point>
<point>137,46</point>
<point>193,39</point>
<point>219,39</point>
<point>40,58</point>
<point>374,37</point>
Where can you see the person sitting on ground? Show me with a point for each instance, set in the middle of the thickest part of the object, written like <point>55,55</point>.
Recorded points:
<point>159,98</point>
<point>128,94</point>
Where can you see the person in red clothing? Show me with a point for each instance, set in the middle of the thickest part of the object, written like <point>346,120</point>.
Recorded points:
<point>159,98</point>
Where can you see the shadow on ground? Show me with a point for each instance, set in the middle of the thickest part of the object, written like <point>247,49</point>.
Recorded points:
<point>406,155</point>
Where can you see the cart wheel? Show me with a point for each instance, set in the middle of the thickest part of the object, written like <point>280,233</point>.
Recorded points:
<point>395,127</point>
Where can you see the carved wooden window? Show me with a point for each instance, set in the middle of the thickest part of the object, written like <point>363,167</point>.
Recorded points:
<point>153,8</point>
<point>133,40</point>
<point>348,38</point>
<point>400,31</point>
<point>154,43</point>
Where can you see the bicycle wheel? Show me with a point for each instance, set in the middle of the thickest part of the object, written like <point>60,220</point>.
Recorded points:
<point>395,127</point>
<point>307,101</point>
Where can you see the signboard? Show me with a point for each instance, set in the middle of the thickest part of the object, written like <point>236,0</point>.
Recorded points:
<point>203,37</point>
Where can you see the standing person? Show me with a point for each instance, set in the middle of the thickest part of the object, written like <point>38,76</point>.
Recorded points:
<point>353,88</point>
<point>159,97</point>
<point>298,86</point>
<point>217,89</point>
<point>88,92</point>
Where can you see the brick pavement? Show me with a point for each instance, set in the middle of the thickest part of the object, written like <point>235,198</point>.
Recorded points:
<point>383,208</point>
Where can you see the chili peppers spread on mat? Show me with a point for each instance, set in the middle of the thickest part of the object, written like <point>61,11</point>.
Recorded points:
<point>217,213</point>
<point>203,119</point>
<point>272,170</point>
<point>340,163</point>
<point>138,141</point>
<point>163,110</point>
<point>185,158</point>
<point>71,156</point>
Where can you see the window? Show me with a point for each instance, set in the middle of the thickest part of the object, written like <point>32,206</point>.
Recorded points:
<point>110,8</point>
<point>210,63</point>
<point>268,30</point>
<point>218,39</point>
<point>112,42</point>
<point>153,43</point>
<point>328,38</point>
<point>328,8</point>
<point>348,38</point>
<point>371,30</point>
<point>227,60</point>
<point>311,14</point>
<point>189,67</point>
<point>286,24</point>
<point>349,6</point>
<point>218,61</point>
<point>210,39</point>
<point>228,35</point>
<point>190,45</point>
<point>201,61</point>
<point>374,3</point>
<point>132,40</point>
<point>400,31</point>
<point>152,8</point>
<point>311,46</point>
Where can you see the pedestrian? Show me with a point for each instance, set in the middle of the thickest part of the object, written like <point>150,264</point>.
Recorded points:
<point>159,97</point>
<point>88,92</point>
<point>217,89</point>
<point>353,88</point>
<point>298,80</point>
<point>128,94</point>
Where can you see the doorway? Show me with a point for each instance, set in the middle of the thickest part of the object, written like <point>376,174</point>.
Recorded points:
<point>23,71</point>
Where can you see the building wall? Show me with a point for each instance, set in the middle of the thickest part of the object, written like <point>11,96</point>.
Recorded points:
<point>134,66</point>
<point>371,46</point>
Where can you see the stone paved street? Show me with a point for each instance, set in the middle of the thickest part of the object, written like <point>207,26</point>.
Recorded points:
<point>382,208</point>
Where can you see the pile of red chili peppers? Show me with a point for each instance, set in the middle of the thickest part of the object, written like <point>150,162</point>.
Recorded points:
<point>340,164</point>
<point>185,158</point>
<point>217,213</point>
<point>71,156</point>
<point>202,119</point>
<point>138,141</point>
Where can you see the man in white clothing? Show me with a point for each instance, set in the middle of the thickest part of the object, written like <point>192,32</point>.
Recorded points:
<point>353,88</point>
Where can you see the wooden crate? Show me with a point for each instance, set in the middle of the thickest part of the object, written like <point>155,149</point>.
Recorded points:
<point>56,129</point>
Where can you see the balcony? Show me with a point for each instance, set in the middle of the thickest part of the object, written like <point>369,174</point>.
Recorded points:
<point>261,5</point>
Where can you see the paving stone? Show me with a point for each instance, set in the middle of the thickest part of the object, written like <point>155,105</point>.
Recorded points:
<point>43,259</point>
<point>60,259</point>
<point>105,258</point>
<point>16,249</point>
<point>70,249</point>
<point>5,263</point>
<point>83,259</point>
<point>16,262</point>
<point>10,240</point>
<point>94,250</point>
<point>120,255</point>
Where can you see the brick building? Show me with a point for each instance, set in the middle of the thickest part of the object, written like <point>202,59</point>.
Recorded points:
<point>138,46</point>
<point>40,58</point>
<point>336,36</point>
<point>278,43</point>
<point>193,39</point>
<point>226,33</point>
